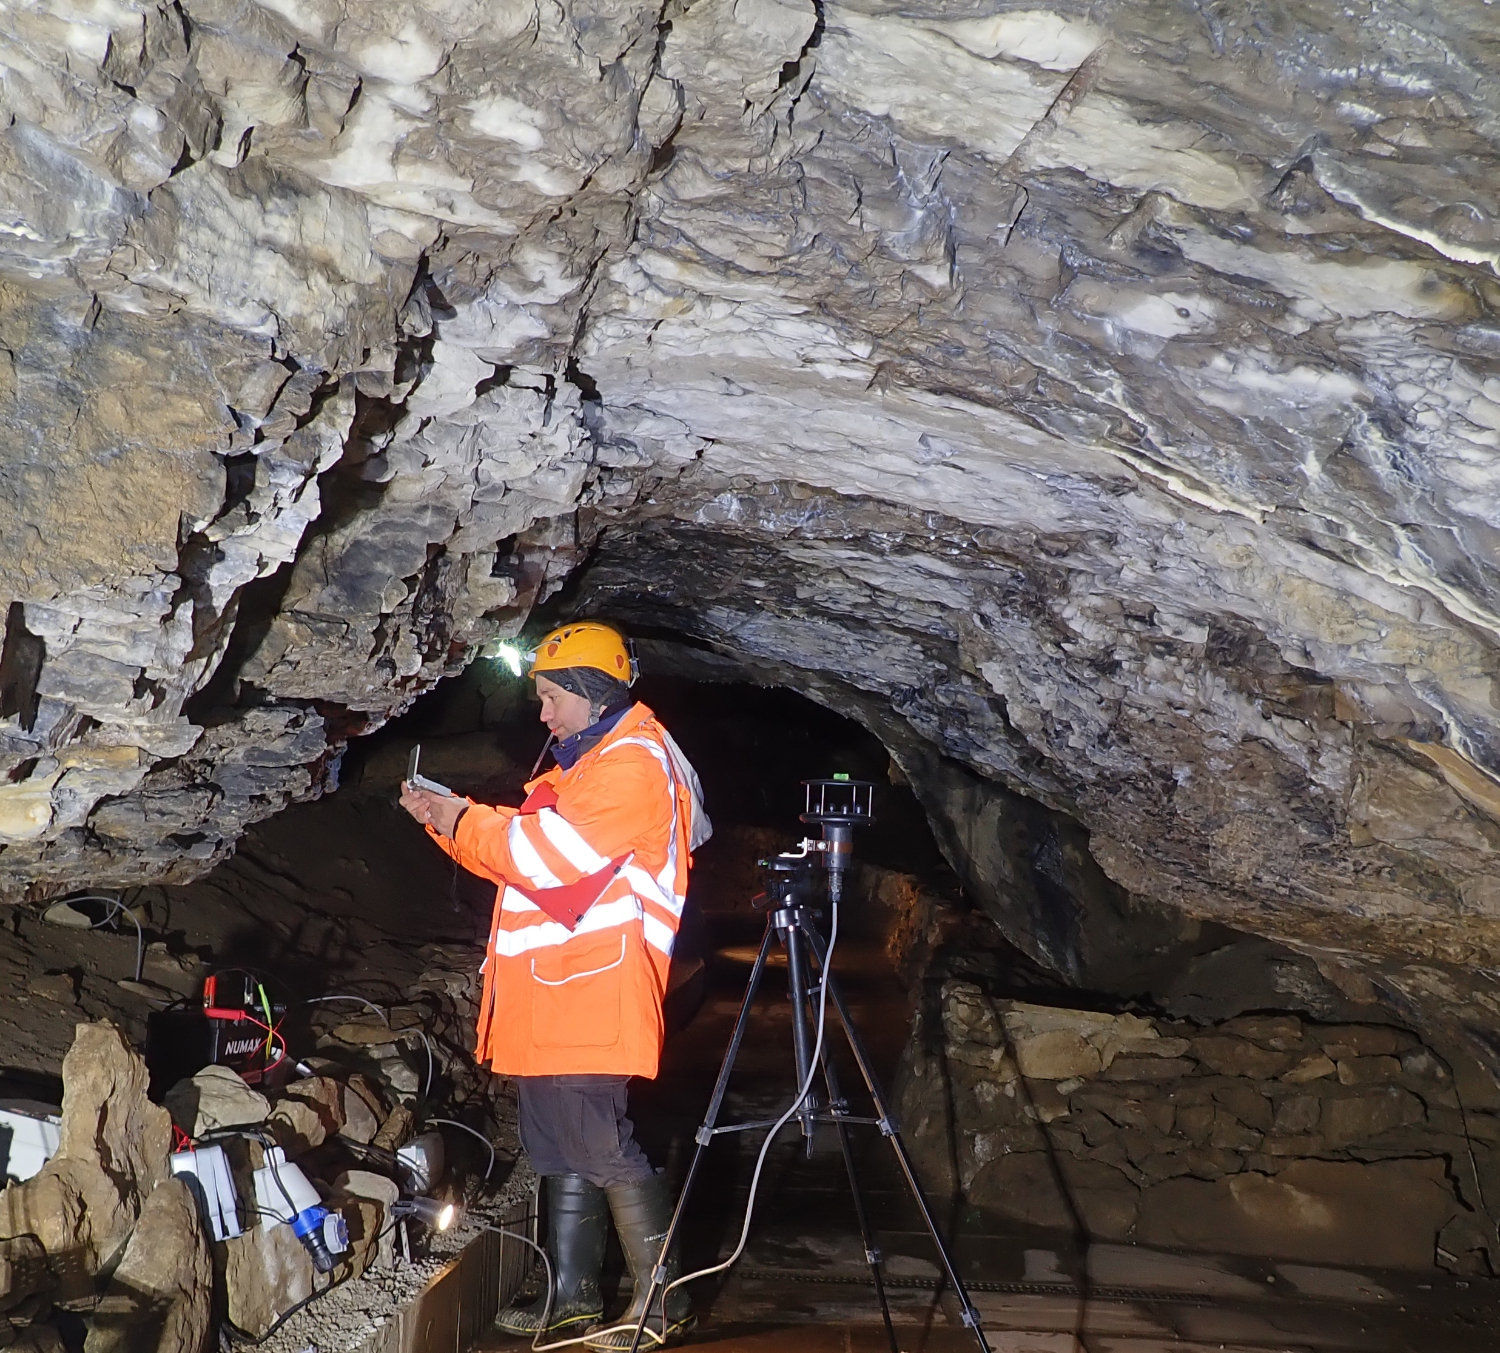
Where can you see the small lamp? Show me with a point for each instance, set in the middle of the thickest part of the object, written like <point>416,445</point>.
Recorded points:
<point>433,1213</point>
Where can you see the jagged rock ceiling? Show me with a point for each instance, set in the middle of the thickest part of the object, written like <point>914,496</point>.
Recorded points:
<point>1104,399</point>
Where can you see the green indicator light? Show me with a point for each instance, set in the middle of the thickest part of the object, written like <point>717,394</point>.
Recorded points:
<point>840,777</point>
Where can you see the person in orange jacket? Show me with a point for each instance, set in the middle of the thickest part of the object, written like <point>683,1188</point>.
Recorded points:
<point>592,874</point>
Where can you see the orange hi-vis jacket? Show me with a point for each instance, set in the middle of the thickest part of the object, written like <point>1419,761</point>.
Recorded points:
<point>607,837</point>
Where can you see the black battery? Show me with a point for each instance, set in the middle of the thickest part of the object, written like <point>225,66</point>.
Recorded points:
<point>228,1029</point>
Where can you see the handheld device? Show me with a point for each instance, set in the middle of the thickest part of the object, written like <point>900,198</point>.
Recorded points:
<point>417,781</point>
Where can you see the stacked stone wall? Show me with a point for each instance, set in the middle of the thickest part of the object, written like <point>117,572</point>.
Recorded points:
<point>1265,1134</point>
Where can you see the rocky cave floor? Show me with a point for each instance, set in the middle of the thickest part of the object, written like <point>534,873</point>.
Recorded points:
<point>1223,1151</point>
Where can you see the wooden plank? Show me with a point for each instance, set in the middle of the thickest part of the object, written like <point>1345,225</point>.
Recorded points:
<point>459,1304</point>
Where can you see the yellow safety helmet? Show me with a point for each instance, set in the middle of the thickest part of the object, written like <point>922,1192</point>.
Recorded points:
<point>586,643</point>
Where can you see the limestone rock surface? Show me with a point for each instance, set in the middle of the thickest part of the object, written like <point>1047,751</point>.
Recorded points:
<point>1382,1214</point>
<point>23,1269</point>
<point>266,1272</point>
<point>159,1298</point>
<point>1193,1137</point>
<point>213,1098</point>
<point>366,1199</point>
<point>1119,435</point>
<point>112,1156</point>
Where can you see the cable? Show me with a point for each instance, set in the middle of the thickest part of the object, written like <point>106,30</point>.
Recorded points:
<point>241,1336</point>
<point>1463,1118</point>
<point>376,1010</point>
<point>265,1004</point>
<point>639,1329</point>
<point>546,747</point>
<point>369,1005</point>
<point>426,1043</point>
<point>269,1145</point>
<point>367,1154</point>
<point>812,1070</point>
<point>235,1333</point>
<point>551,1298</point>
<point>272,1032</point>
<point>463,1127</point>
<point>116,907</point>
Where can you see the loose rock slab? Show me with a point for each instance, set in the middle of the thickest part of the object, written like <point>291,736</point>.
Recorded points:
<point>215,1097</point>
<point>112,1155</point>
<point>160,1298</point>
<point>1383,1214</point>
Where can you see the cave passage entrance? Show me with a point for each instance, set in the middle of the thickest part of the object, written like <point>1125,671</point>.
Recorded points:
<point>336,889</point>
<point>366,865</point>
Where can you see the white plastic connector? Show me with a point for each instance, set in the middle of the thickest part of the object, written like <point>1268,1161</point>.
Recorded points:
<point>335,1233</point>
<point>282,1191</point>
<point>216,1193</point>
<point>422,1159</point>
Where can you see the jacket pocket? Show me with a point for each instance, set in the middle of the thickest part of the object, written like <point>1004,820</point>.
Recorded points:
<point>576,992</point>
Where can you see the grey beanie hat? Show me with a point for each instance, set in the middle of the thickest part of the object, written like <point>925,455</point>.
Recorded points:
<point>599,688</point>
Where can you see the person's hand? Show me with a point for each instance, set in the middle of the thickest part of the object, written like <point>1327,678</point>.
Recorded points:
<point>432,810</point>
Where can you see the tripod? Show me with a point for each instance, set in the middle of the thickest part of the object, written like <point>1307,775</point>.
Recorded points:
<point>807,966</point>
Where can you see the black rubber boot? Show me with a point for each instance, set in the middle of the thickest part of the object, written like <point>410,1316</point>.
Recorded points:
<point>642,1214</point>
<point>577,1226</point>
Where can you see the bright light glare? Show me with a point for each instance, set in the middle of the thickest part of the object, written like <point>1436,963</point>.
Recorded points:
<point>503,651</point>
<point>429,1211</point>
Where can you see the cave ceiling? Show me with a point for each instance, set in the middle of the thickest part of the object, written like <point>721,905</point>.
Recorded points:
<point>1102,399</point>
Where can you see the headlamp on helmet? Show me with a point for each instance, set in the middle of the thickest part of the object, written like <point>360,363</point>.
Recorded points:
<point>508,654</point>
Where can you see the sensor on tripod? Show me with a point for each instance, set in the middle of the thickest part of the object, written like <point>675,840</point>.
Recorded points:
<point>838,805</point>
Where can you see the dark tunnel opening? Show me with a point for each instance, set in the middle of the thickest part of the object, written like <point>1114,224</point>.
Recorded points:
<point>358,858</point>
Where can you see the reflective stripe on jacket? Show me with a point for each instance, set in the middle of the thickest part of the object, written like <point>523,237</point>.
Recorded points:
<point>561,1001</point>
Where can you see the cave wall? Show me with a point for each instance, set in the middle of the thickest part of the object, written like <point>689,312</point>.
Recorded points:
<point>1110,394</point>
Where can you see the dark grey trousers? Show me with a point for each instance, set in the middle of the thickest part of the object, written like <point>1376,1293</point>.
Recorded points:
<point>577,1125</point>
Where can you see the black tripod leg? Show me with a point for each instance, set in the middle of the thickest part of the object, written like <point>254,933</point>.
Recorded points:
<point>888,1128</point>
<point>802,1039</point>
<point>872,1255</point>
<point>705,1133</point>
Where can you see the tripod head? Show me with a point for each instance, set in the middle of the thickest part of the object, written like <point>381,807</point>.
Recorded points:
<point>789,882</point>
